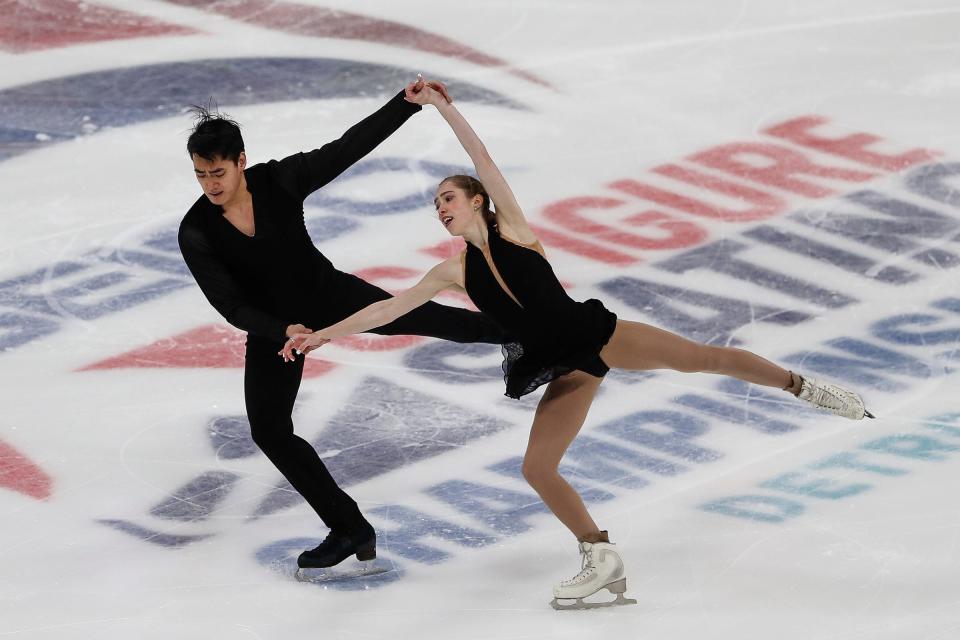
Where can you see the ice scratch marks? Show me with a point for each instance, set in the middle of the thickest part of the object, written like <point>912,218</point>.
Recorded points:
<point>383,427</point>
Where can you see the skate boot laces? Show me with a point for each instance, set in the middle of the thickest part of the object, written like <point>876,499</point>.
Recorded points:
<point>586,566</point>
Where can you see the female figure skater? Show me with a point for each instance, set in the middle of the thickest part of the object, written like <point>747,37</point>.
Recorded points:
<point>554,340</point>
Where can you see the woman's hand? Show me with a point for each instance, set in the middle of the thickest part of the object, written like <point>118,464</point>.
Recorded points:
<point>296,335</point>
<point>425,92</point>
<point>306,342</point>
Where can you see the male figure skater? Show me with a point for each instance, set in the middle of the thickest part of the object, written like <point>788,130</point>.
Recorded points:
<point>246,244</point>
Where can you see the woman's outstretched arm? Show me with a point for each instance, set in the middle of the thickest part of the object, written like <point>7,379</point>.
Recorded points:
<point>445,275</point>
<point>509,213</point>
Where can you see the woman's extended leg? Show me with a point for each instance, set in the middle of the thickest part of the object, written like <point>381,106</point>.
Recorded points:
<point>559,416</point>
<point>639,346</point>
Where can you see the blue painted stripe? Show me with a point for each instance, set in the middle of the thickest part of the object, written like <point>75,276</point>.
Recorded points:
<point>42,113</point>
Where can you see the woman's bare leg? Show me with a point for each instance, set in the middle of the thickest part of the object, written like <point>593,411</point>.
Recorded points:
<point>559,416</point>
<point>639,346</point>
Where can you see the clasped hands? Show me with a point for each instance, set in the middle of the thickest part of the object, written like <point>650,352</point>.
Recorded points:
<point>300,339</point>
<point>424,92</point>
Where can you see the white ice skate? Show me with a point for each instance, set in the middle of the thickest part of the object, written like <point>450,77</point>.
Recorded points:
<point>601,569</point>
<point>832,398</point>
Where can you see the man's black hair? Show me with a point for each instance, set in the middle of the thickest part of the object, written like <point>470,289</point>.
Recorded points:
<point>214,135</point>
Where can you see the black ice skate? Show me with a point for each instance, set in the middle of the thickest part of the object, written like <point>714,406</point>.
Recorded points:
<point>315,565</point>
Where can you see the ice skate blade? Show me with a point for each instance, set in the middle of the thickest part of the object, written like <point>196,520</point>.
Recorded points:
<point>339,572</point>
<point>617,588</point>
<point>579,604</point>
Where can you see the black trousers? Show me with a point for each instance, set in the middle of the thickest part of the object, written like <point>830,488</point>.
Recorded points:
<point>271,386</point>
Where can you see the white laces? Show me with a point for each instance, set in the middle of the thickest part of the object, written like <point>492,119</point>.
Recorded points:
<point>586,566</point>
<point>832,399</point>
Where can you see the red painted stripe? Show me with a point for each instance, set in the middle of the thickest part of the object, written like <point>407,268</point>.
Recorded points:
<point>446,248</point>
<point>31,25</point>
<point>671,233</point>
<point>20,474</point>
<point>212,346</point>
<point>697,207</point>
<point>373,342</point>
<point>853,146</point>
<point>765,204</point>
<point>322,22</point>
<point>775,166</point>
<point>378,274</point>
<point>574,244</point>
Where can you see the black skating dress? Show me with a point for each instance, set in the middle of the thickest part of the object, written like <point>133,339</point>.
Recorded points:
<point>550,334</point>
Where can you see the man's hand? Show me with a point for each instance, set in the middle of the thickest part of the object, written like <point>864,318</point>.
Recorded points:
<point>424,92</point>
<point>287,353</point>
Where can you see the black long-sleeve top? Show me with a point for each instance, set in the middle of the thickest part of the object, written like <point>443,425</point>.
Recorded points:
<point>264,283</point>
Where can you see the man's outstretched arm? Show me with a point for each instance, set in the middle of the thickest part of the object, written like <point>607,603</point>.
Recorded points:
<point>303,173</point>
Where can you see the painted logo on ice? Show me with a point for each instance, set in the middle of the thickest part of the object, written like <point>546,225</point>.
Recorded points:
<point>804,191</point>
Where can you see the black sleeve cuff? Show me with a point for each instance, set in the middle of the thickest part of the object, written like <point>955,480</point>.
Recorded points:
<point>410,107</point>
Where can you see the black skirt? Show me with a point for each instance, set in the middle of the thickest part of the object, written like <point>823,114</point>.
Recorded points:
<point>570,343</point>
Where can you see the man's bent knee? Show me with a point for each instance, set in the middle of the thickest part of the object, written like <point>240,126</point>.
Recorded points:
<point>269,436</point>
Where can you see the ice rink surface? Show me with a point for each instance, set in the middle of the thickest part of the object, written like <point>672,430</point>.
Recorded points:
<point>774,174</point>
